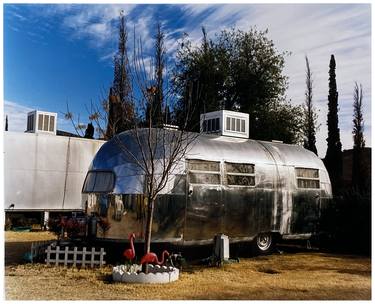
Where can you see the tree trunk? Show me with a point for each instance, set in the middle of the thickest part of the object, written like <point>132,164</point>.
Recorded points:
<point>147,244</point>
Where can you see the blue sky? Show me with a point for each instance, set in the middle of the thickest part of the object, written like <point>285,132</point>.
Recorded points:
<point>59,53</point>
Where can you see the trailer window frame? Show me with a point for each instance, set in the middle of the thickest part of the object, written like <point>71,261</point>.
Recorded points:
<point>311,178</point>
<point>196,171</point>
<point>93,186</point>
<point>250,174</point>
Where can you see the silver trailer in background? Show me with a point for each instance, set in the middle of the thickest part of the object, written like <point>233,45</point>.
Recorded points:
<point>243,188</point>
<point>44,172</point>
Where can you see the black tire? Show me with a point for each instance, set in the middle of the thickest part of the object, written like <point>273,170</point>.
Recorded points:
<point>264,243</point>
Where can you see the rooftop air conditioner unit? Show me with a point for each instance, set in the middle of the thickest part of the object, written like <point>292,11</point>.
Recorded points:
<point>226,123</point>
<point>41,122</point>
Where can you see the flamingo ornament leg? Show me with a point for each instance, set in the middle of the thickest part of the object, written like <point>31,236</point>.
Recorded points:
<point>129,254</point>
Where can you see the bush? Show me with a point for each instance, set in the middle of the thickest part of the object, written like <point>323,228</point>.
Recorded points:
<point>348,222</point>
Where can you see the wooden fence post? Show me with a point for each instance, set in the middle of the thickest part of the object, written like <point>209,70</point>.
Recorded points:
<point>57,255</point>
<point>92,256</point>
<point>84,257</point>
<point>66,256</point>
<point>101,257</point>
<point>75,257</point>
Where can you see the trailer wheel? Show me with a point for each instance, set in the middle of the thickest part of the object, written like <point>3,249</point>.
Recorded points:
<point>264,243</point>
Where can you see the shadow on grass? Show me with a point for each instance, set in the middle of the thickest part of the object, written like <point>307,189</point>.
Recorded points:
<point>14,252</point>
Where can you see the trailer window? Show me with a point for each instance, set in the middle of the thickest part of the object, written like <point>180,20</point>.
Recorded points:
<point>204,172</point>
<point>307,178</point>
<point>204,165</point>
<point>204,178</point>
<point>241,180</point>
<point>99,181</point>
<point>240,174</point>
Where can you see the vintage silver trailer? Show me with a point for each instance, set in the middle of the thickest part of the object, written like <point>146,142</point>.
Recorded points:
<point>246,189</point>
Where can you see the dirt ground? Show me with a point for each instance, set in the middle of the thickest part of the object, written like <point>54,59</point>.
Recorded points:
<point>287,276</point>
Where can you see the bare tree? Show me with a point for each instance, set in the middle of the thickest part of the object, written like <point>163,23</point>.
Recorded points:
<point>156,149</point>
<point>310,119</point>
<point>159,148</point>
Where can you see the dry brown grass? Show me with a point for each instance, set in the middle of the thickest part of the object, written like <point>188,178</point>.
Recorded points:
<point>12,236</point>
<point>300,276</point>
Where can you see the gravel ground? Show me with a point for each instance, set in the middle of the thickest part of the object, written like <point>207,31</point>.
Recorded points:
<point>288,276</point>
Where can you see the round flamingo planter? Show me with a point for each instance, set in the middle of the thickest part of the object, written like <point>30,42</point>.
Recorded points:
<point>157,274</point>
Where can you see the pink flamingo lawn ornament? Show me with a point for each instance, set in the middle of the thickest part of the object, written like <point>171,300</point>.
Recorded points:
<point>129,254</point>
<point>152,258</point>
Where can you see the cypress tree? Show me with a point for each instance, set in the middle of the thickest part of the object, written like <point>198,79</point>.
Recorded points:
<point>120,109</point>
<point>333,159</point>
<point>359,142</point>
<point>89,133</point>
<point>157,99</point>
<point>310,115</point>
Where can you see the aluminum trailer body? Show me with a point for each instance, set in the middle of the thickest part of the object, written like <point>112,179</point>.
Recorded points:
<point>240,187</point>
<point>44,172</point>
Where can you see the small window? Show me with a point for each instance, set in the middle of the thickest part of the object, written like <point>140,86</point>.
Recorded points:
<point>204,165</point>
<point>204,172</point>
<point>52,124</point>
<point>241,180</point>
<point>40,122</point>
<point>309,173</point>
<point>240,174</point>
<point>99,181</point>
<point>239,168</point>
<point>204,178</point>
<point>243,125</point>
<point>308,183</point>
<point>233,124</point>
<point>307,178</point>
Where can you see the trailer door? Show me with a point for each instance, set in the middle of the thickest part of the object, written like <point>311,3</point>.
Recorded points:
<point>306,201</point>
<point>204,210</point>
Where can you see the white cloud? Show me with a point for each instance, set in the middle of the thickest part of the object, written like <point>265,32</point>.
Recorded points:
<point>17,115</point>
<point>93,22</point>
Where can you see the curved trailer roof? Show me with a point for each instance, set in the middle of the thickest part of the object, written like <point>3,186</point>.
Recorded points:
<point>112,155</point>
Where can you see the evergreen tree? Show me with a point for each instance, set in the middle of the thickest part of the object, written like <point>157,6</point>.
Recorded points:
<point>238,71</point>
<point>120,107</point>
<point>359,142</point>
<point>89,133</point>
<point>333,158</point>
<point>6,123</point>
<point>309,127</point>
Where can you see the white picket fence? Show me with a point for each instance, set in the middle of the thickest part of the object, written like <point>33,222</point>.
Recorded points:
<point>84,257</point>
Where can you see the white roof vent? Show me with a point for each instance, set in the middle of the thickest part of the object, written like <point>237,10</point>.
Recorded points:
<point>226,123</point>
<point>41,122</point>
